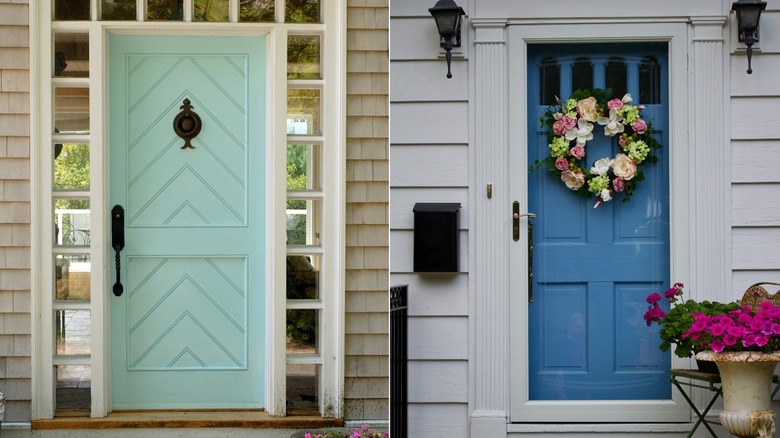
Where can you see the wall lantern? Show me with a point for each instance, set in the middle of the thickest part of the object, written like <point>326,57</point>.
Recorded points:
<point>748,13</point>
<point>447,15</point>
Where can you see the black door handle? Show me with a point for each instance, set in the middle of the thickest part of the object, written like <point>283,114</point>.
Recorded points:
<point>118,242</point>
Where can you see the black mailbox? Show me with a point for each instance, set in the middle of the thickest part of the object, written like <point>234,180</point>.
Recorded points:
<point>436,237</point>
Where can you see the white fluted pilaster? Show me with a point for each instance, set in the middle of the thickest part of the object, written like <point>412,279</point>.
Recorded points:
<point>710,164</point>
<point>491,233</point>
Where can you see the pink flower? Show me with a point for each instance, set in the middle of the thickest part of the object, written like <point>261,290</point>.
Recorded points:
<point>615,104</point>
<point>569,122</point>
<point>717,345</point>
<point>718,329</point>
<point>623,141</point>
<point>653,298</point>
<point>578,152</point>
<point>558,127</point>
<point>573,180</point>
<point>619,186</point>
<point>588,109</point>
<point>654,313</point>
<point>639,126</point>
<point>562,164</point>
<point>624,167</point>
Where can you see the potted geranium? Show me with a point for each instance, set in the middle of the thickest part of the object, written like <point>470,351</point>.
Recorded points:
<point>742,341</point>
<point>678,321</point>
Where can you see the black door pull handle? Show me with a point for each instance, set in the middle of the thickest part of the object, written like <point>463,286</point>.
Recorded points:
<point>118,242</point>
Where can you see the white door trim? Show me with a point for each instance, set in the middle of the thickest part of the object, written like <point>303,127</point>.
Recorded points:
<point>521,408</point>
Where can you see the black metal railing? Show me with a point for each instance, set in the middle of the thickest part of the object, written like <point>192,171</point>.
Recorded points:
<point>398,362</point>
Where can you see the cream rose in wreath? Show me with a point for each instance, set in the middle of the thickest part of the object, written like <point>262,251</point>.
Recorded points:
<point>571,125</point>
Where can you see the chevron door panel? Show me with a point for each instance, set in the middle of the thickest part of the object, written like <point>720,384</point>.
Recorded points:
<point>187,313</point>
<point>189,330</point>
<point>171,187</point>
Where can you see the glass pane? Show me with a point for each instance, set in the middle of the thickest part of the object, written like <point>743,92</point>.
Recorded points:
<point>71,9</point>
<point>303,222</point>
<point>302,331</point>
<point>302,11</point>
<point>303,164</point>
<point>71,222</point>
<point>616,76</point>
<point>73,388</point>
<point>550,81</point>
<point>302,385</point>
<point>649,81</point>
<point>211,10</point>
<point>303,277</point>
<point>303,111</point>
<point>118,10</point>
<point>170,10</point>
<point>73,332</point>
<point>72,276</point>
<point>303,57</point>
<point>581,75</point>
<point>257,11</point>
<point>71,55</point>
<point>71,110</point>
<point>71,166</point>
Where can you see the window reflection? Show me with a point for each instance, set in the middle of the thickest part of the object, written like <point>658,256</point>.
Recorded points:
<point>303,277</point>
<point>302,11</point>
<point>71,9</point>
<point>71,110</point>
<point>165,10</point>
<point>72,275</point>
<point>303,111</point>
<point>257,11</point>
<point>303,57</point>
<point>71,55</point>
<point>211,10</point>
<point>118,10</point>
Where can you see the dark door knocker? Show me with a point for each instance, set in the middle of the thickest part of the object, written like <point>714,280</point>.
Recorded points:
<point>187,124</point>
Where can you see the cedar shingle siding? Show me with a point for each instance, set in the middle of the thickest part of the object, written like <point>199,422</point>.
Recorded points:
<point>15,329</point>
<point>366,386</point>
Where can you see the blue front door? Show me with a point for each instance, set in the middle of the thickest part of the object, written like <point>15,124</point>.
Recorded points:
<point>593,267</point>
<point>188,331</point>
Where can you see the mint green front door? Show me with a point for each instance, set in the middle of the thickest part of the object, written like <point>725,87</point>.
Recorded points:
<point>188,331</point>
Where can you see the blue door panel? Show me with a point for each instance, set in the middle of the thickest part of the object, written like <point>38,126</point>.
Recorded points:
<point>593,267</point>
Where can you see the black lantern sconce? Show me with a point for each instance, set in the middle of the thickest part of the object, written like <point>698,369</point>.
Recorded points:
<point>748,13</point>
<point>447,15</point>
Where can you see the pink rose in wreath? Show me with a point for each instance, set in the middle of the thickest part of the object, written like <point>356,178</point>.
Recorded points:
<point>578,152</point>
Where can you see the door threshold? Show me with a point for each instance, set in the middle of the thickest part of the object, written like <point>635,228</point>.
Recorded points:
<point>250,419</point>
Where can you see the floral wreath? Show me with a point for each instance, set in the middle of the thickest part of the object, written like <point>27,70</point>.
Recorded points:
<point>570,125</point>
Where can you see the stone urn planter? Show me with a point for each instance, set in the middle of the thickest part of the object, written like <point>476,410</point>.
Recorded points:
<point>746,377</point>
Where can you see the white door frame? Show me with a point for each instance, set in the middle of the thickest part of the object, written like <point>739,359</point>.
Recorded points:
<point>521,408</point>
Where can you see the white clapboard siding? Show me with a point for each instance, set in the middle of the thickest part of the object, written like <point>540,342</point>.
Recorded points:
<point>402,200</point>
<point>436,295</point>
<point>438,420</point>
<point>402,251</point>
<point>437,337</point>
<point>414,38</point>
<point>439,381</point>
<point>755,118</point>
<point>406,77</point>
<point>755,205</point>
<point>429,123</point>
<point>756,248</point>
<point>755,161</point>
<point>429,166</point>
<point>762,82</point>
